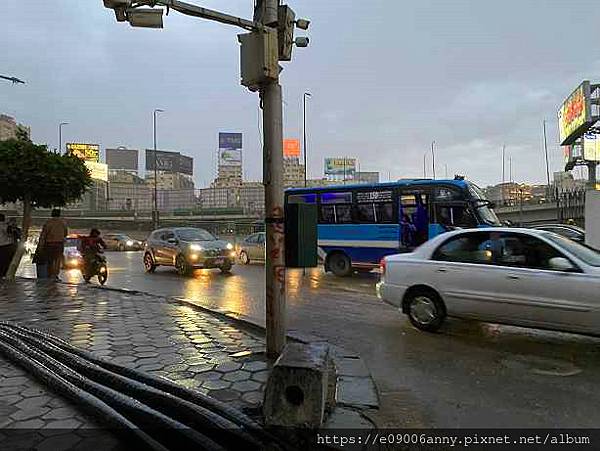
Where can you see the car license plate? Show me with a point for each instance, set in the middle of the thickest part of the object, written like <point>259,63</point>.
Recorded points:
<point>218,261</point>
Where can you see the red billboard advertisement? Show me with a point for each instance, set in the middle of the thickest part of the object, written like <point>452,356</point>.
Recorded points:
<point>291,147</point>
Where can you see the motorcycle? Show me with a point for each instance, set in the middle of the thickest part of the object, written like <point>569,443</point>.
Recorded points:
<point>97,267</point>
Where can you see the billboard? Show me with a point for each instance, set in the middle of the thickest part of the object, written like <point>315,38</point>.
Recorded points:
<point>230,157</point>
<point>86,152</point>
<point>340,167</point>
<point>230,140</point>
<point>98,171</point>
<point>122,158</point>
<point>291,148</point>
<point>591,147</point>
<point>169,162</point>
<point>186,165</point>
<point>575,114</point>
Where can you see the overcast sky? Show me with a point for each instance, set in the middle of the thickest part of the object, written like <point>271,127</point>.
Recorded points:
<point>387,78</point>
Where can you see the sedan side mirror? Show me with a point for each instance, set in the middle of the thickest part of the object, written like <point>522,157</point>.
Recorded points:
<point>172,241</point>
<point>561,264</point>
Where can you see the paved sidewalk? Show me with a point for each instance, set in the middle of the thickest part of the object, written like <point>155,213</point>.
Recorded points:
<point>191,347</point>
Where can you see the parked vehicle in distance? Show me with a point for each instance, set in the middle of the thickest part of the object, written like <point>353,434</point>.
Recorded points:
<point>187,248</point>
<point>72,258</point>
<point>570,231</point>
<point>359,224</point>
<point>252,248</point>
<point>523,277</point>
<point>121,242</point>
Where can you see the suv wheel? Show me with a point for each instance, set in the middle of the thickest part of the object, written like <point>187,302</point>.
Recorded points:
<point>149,264</point>
<point>182,266</point>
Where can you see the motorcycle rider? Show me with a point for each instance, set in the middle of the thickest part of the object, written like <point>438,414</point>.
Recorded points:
<point>92,247</point>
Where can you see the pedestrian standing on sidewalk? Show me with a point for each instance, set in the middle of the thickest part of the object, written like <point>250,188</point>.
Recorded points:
<point>52,242</point>
<point>6,245</point>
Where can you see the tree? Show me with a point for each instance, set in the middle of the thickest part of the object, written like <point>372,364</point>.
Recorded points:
<point>38,179</point>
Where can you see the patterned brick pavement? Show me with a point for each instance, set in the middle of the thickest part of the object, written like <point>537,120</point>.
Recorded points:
<point>178,342</point>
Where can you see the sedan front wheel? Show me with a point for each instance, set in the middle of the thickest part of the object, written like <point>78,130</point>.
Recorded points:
<point>425,310</point>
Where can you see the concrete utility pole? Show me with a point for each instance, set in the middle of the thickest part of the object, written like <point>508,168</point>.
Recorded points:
<point>274,213</point>
<point>270,40</point>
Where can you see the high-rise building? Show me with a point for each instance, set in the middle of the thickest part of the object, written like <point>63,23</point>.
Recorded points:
<point>293,172</point>
<point>9,128</point>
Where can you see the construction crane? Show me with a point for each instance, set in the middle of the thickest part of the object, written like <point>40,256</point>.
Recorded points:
<point>14,80</point>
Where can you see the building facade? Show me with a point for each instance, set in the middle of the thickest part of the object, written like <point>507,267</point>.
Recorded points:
<point>293,172</point>
<point>9,128</point>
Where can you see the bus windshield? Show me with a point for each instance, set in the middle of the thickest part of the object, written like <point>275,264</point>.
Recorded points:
<point>482,206</point>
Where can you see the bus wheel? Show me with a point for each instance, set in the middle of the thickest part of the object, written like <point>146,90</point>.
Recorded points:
<point>340,264</point>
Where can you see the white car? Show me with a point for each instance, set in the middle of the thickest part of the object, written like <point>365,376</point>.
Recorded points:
<point>523,277</point>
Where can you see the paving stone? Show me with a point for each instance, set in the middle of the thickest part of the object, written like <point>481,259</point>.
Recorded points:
<point>32,403</point>
<point>216,384</point>
<point>260,376</point>
<point>10,399</point>
<point>201,368</point>
<point>235,376</point>
<point>13,381</point>
<point>228,366</point>
<point>59,414</point>
<point>21,415</point>
<point>225,395</point>
<point>32,391</point>
<point>257,365</point>
<point>69,423</point>
<point>59,443</point>
<point>29,424</point>
<point>245,386</point>
<point>209,375</point>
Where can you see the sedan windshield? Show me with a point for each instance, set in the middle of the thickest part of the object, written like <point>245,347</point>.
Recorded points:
<point>195,235</point>
<point>584,253</point>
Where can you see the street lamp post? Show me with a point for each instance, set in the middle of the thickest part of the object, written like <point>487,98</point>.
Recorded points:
<point>306,94</point>
<point>60,126</point>
<point>155,219</point>
<point>433,158</point>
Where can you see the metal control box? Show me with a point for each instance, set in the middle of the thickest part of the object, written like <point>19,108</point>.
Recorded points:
<point>258,58</point>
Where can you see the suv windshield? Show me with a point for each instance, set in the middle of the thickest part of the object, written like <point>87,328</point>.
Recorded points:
<point>194,235</point>
<point>584,253</point>
<point>482,206</point>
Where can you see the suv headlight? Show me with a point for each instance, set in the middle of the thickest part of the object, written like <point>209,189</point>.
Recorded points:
<point>229,246</point>
<point>129,243</point>
<point>196,247</point>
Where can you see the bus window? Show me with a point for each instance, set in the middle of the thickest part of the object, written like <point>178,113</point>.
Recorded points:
<point>375,207</point>
<point>302,199</point>
<point>451,216</point>
<point>336,208</point>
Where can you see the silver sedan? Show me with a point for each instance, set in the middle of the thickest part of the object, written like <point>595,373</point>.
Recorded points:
<point>523,277</point>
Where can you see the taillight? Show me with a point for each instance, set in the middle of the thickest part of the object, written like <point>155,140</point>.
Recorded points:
<point>382,266</point>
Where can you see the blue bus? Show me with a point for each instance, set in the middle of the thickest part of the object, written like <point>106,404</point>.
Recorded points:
<point>359,224</point>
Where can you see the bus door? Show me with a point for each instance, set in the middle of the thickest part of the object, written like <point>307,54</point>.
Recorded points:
<point>414,214</point>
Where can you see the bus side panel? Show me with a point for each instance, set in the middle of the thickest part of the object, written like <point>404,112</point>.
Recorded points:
<point>365,244</point>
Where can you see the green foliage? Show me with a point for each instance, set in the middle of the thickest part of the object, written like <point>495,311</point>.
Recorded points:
<point>28,172</point>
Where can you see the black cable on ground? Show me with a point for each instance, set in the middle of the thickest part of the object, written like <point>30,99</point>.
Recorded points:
<point>159,383</point>
<point>219,429</point>
<point>149,420</point>
<point>89,403</point>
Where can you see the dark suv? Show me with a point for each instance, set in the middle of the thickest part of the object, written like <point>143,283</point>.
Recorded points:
<point>187,248</point>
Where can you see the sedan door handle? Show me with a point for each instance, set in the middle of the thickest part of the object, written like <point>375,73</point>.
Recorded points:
<point>513,277</point>
<point>442,270</point>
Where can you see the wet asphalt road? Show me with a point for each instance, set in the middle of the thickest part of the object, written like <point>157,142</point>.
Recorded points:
<point>468,375</point>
